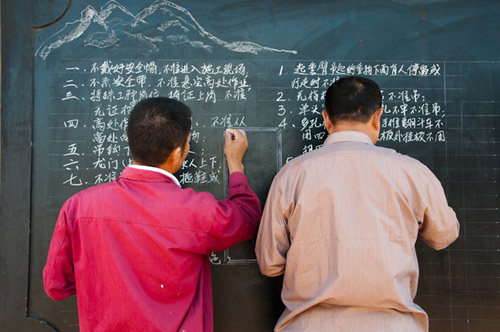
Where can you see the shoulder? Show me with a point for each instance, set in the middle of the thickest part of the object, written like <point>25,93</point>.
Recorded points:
<point>93,193</point>
<point>396,164</point>
<point>294,172</point>
<point>361,152</point>
<point>402,159</point>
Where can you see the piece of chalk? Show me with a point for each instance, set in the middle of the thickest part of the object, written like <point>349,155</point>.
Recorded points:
<point>230,133</point>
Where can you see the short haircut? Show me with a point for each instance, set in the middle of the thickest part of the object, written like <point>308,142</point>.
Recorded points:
<point>156,127</point>
<point>352,98</point>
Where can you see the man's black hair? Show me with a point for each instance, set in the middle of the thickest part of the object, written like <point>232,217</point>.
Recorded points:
<point>156,127</point>
<point>352,98</point>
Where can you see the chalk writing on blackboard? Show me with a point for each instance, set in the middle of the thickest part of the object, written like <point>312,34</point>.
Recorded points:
<point>105,91</point>
<point>410,114</point>
<point>172,23</point>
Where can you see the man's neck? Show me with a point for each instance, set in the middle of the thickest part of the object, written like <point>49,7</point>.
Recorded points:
<point>355,126</point>
<point>165,166</point>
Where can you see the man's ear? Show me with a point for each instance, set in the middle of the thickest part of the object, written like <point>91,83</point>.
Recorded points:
<point>176,155</point>
<point>328,123</point>
<point>174,159</point>
<point>375,119</point>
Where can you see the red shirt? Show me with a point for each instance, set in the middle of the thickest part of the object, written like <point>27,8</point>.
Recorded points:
<point>135,251</point>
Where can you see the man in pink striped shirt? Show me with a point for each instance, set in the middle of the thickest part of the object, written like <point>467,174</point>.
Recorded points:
<point>341,224</point>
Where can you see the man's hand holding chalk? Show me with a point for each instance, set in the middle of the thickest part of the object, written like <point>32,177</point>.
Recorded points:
<point>235,147</point>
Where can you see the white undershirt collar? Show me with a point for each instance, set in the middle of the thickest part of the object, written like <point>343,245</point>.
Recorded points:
<point>158,170</point>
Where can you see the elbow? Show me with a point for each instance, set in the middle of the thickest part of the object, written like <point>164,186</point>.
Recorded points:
<point>451,236</point>
<point>255,213</point>
<point>58,290</point>
<point>274,273</point>
<point>57,294</point>
<point>251,213</point>
<point>267,265</point>
<point>271,270</point>
<point>445,240</point>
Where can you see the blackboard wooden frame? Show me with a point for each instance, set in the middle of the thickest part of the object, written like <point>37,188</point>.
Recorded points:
<point>17,26</point>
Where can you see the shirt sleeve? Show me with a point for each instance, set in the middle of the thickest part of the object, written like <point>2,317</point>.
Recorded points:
<point>273,239</point>
<point>439,225</point>
<point>58,274</point>
<point>235,219</point>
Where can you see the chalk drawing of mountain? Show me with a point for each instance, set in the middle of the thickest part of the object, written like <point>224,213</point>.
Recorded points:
<point>114,25</point>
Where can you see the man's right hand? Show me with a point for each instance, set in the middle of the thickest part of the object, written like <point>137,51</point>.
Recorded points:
<point>235,147</point>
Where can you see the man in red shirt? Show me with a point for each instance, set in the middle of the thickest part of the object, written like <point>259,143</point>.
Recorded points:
<point>136,251</point>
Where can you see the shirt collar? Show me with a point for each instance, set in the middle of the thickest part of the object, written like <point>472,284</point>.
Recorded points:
<point>158,170</point>
<point>348,136</point>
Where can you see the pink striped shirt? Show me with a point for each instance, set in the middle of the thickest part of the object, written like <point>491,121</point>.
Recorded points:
<point>341,224</point>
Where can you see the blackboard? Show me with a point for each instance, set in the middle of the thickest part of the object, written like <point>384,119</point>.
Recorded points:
<point>72,70</point>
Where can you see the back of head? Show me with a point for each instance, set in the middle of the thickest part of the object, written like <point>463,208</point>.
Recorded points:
<point>352,98</point>
<point>156,127</point>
